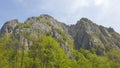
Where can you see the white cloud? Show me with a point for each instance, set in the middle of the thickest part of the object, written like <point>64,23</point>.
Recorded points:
<point>77,4</point>
<point>109,13</point>
<point>101,2</point>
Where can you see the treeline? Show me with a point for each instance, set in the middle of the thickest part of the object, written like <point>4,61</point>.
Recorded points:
<point>47,53</point>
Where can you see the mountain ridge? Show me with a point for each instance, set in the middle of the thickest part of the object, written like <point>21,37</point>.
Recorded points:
<point>44,42</point>
<point>84,34</point>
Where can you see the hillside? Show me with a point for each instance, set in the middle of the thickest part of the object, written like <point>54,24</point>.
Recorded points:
<point>44,42</point>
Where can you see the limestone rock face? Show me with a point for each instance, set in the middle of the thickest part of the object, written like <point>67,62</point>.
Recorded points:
<point>84,34</point>
<point>89,35</point>
<point>34,27</point>
<point>9,26</point>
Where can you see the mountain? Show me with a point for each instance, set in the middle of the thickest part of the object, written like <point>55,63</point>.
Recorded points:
<point>84,34</point>
<point>36,26</point>
<point>89,35</point>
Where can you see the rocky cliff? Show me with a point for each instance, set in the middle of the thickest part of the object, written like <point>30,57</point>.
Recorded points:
<point>84,34</point>
<point>93,37</point>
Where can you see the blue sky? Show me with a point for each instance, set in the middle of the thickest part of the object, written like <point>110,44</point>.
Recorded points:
<point>102,12</point>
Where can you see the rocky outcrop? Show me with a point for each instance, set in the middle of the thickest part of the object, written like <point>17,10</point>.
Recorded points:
<point>89,35</point>
<point>8,27</point>
<point>85,34</point>
<point>34,27</point>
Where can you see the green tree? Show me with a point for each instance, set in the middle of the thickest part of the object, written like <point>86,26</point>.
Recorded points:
<point>49,53</point>
<point>114,56</point>
<point>8,51</point>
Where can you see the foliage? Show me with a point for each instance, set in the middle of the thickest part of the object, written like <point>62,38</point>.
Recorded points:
<point>49,24</point>
<point>46,52</point>
<point>114,56</point>
<point>23,25</point>
<point>41,19</point>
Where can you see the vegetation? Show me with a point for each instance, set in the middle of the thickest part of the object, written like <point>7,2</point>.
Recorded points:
<point>49,24</point>
<point>63,34</point>
<point>41,19</point>
<point>23,25</point>
<point>47,53</point>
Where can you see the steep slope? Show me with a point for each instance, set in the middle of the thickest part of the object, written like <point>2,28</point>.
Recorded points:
<point>35,27</point>
<point>85,34</point>
<point>93,37</point>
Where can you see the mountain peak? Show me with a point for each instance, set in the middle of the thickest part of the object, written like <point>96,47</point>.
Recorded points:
<point>85,23</point>
<point>13,21</point>
<point>85,20</point>
<point>9,26</point>
<point>46,15</point>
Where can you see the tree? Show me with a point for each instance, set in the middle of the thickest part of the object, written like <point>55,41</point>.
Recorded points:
<point>48,51</point>
<point>8,51</point>
<point>114,56</point>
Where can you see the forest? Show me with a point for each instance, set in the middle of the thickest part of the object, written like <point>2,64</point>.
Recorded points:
<point>46,52</point>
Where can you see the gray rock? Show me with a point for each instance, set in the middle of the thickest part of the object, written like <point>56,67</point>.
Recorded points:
<point>85,34</point>
<point>8,27</point>
<point>88,35</point>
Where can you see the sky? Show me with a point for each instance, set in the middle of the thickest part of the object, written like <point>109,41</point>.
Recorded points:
<point>101,12</point>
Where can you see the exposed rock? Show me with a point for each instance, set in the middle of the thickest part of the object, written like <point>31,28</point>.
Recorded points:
<point>104,31</point>
<point>85,34</point>
<point>8,27</point>
<point>89,35</point>
<point>110,29</point>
